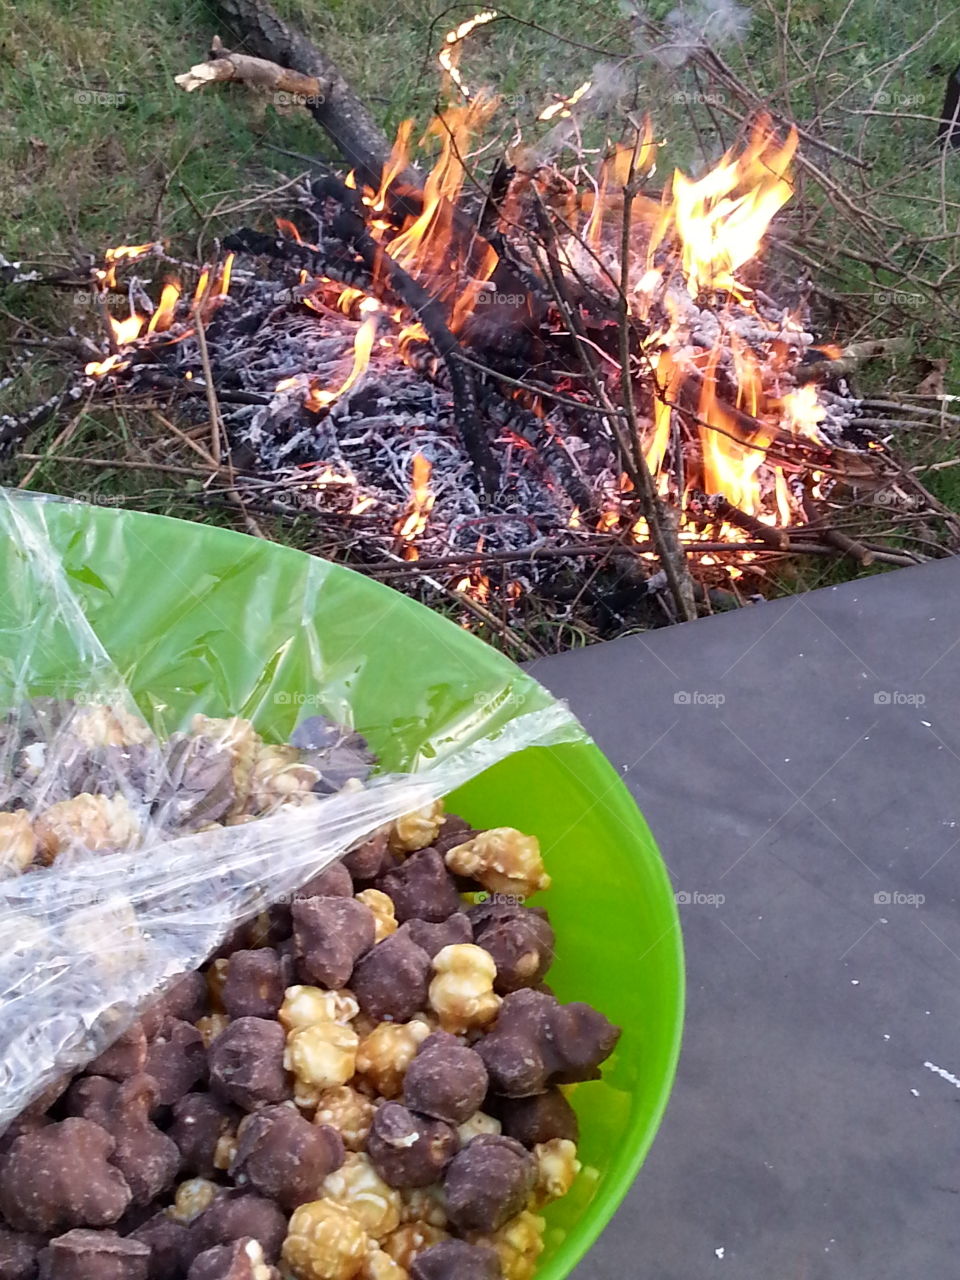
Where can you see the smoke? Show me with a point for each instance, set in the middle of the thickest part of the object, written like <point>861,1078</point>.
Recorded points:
<point>695,23</point>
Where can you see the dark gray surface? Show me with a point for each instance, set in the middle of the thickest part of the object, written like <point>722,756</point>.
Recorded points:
<point>806,1137</point>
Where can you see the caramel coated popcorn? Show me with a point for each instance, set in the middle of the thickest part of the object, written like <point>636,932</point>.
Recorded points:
<point>557,1168</point>
<point>385,918</point>
<point>418,829</point>
<point>386,1053</point>
<point>358,1187</point>
<point>305,1006</point>
<point>18,844</point>
<point>279,776</point>
<point>348,1111</point>
<point>324,1242</point>
<point>462,993</point>
<point>100,824</point>
<point>518,1245</point>
<point>322,1054</point>
<point>407,1241</point>
<point>503,860</point>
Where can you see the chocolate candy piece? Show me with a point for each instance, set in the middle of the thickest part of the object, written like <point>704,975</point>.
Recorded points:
<point>168,1242</point>
<point>488,1183</point>
<point>456,1260</point>
<point>239,1215</point>
<point>454,831</point>
<point>242,1260</point>
<point>538,1119</point>
<point>538,1042</point>
<point>370,859</point>
<point>330,935</point>
<point>176,1060</point>
<point>60,1177</point>
<point>286,1157</point>
<point>95,1255</point>
<point>199,1122</point>
<point>127,1056</point>
<point>197,785</point>
<point>421,888</point>
<point>246,1063</point>
<point>334,881</point>
<point>184,999</point>
<point>432,938</point>
<point>446,1080</point>
<point>147,1158</point>
<point>519,939</point>
<point>18,1254</point>
<point>254,985</point>
<point>392,981</point>
<point>409,1150</point>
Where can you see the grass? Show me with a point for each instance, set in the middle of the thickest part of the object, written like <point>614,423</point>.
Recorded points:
<point>79,172</point>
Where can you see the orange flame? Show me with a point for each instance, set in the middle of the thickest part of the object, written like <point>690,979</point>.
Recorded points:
<point>162,318</point>
<point>414,521</point>
<point>721,219</point>
<point>320,398</point>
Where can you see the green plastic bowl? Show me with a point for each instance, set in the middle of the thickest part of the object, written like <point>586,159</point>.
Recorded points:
<point>200,618</point>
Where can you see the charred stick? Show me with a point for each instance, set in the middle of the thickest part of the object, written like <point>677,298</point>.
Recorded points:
<point>662,527</point>
<point>723,509</point>
<point>849,546</point>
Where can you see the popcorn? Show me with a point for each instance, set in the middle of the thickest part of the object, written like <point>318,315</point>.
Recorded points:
<point>385,1054</point>
<point>100,824</point>
<point>18,844</point>
<point>518,1245</point>
<point>305,1006</point>
<point>357,1186</point>
<point>385,919</point>
<point>348,1111</point>
<point>557,1169</point>
<point>418,829</point>
<point>479,1123</point>
<point>462,992</point>
<point>279,777</point>
<point>407,1241</point>
<point>322,1054</point>
<point>380,1266</point>
<point>241,742</point>
<point>503,860</point>
<point>324,1242</point>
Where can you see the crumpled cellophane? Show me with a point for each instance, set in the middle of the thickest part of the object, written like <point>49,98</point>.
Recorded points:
<point>160,874</point>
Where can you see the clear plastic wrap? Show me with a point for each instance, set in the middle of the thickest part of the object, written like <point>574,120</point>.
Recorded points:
<point>146,875</point>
